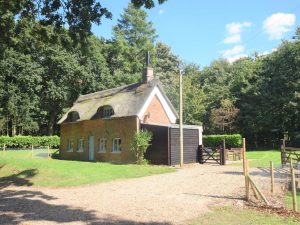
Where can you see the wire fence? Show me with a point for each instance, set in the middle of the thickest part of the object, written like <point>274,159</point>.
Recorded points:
<point>36,151</point>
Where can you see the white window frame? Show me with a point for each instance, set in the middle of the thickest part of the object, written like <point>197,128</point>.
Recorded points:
<point>117,149</point>
<point>107,112</point>
<point>102,145</point>
<point>80,147</point>
<point>70,145</point>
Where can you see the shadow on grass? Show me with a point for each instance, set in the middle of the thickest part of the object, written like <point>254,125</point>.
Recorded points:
<point>21,206</point>
<point>19,179</point>
<point>264,172</point>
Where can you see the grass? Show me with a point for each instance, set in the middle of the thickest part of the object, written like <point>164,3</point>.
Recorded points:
<point>230,216</point>
<point>262,158</point>
<point>19,168</point>
<point>288,200</point>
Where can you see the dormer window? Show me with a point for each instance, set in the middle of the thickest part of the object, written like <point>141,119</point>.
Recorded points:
<point>72,116</point>
<point>104,112</point>
<point>107,112</point>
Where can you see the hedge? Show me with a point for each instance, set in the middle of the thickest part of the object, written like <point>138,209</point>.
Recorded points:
<point>28,141</point>
<point>233,140</point>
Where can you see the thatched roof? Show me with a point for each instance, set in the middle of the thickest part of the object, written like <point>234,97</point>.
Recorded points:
<point>125,101</point>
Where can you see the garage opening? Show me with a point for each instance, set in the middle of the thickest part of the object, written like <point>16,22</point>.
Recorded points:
<point>164,148</point>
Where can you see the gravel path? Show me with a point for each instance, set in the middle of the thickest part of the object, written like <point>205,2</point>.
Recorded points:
<point>170,198</point>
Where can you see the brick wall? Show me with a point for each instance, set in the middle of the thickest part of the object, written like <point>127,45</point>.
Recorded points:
<point>123,128</point>
<point>155,113</point>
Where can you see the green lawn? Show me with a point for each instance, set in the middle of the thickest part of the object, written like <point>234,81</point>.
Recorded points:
<point>19,168</point>
<point>262,158</point>
<point>289,200</point>
<point>230,216</point>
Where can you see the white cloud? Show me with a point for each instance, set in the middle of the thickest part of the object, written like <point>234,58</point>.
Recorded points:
<point>233,39</point>
<point>236,28</point>
<point>278,24</point>
<point>161,11</point>
<point>234,31</point>
<point>234,53</point>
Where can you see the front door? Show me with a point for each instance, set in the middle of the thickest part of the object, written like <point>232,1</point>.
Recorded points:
<point>91,147</point>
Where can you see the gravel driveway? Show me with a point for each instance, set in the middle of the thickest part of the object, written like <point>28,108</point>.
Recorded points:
<point>170,198</point>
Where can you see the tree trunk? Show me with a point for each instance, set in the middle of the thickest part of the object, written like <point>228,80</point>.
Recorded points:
<point>51,123</point>
<point>13,128</point>
<point>7,126</point>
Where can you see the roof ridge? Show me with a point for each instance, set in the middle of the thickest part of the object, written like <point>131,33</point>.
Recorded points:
<point>109,92</point>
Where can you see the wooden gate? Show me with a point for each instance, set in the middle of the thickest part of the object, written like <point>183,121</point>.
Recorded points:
<point>289,153</point>
<point>212,155</point>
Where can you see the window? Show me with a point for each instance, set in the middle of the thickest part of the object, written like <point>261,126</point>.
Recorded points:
<point>107,112</point>
<point>116,145</point>
<point>70,145</point>
<point>80,145</point>
<point>102,145</point>
<point>72,116</point>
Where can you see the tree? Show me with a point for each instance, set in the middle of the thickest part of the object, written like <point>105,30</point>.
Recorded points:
<point>77,15</point>
<point>166,64</point>
<point>21,79</point>
<point>62,81</point>
<point>214,81</point>
<point>133,36</point>
<point>224,118</point>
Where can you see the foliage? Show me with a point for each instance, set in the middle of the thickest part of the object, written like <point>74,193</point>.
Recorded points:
<point>133,36</point>
<point>223,118</point>
<point>64,173</point>
<point>233,140</point>
<point>141,142</point>
<point>28,141</point>
<point>48,57</point>
<point>78,16</point>
<point>237,216</point>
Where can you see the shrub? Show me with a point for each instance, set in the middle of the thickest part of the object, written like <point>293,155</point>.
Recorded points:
<point>28,141</point>
<point>233,140</point>
<point>141,142</point>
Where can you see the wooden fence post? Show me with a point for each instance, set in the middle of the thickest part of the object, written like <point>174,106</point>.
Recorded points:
<point>258,191</point>
<point>223,156</point>
<point>294,193</point>
<point>201,154</point>
<point>31,151</point>
<point>247,183</point>
<point>291,164</point>
<point>4,147</point>
<point>244,156</point>
<point>283,152</point>
<point>272,176</point>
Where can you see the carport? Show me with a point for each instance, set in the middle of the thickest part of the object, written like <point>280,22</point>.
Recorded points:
<point>164,148</point>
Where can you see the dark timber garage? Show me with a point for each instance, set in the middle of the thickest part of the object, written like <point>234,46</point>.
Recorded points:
<point>164,148</point>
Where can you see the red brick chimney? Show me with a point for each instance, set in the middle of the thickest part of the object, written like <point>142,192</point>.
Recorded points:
<point>147,74</point>
<point>148,71</point>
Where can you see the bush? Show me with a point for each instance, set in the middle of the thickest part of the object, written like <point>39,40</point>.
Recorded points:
<point>140,144</point>
<point>233,140</point>
<point>28,141</point>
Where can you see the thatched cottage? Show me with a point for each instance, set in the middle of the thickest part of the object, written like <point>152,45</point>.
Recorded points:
<point>100,126</point>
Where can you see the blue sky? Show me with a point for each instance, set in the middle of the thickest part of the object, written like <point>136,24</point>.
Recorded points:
<point>201,31</point>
